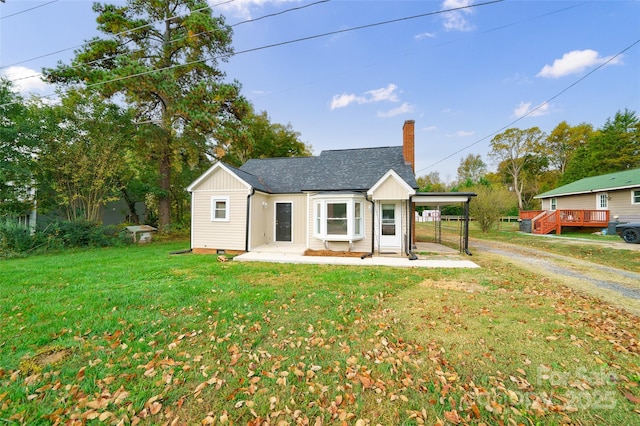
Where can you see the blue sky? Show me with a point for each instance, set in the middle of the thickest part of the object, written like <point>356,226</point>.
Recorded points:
<point>462,76</point>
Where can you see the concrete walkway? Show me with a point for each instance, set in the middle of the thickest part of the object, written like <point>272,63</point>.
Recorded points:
<point>294,254</point>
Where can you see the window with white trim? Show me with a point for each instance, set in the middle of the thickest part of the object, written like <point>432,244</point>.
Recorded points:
<point>635,196</point>
<point>219,209</point>
<point>603,201</point>
<point>554,204</point>
<point>339,217</point>
<point>357,224</point>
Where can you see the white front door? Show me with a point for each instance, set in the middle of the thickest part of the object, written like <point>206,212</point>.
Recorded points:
<point>390,226</point>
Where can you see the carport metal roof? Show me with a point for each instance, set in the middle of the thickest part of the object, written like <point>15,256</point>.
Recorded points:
<point>441,198</point>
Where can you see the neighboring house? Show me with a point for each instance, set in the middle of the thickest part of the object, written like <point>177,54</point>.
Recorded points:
<point>592,202</point>
<point>343,200</point>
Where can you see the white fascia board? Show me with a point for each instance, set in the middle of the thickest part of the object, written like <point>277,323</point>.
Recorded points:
<point>209,172</point>
<point>391,173</point>
<point>436,199</point>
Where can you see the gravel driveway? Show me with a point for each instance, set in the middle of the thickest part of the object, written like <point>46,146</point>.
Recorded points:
<point>616,286</point>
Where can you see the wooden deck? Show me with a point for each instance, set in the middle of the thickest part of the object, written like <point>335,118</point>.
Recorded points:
<point>545,222</point>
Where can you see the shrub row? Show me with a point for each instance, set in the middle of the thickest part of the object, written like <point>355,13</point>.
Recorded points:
<point>18,240</point>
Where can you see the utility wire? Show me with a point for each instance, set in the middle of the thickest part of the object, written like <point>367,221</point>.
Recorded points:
<point>575,83</point>
<point>146,25</point>
<point>114,35</point>
<point>269,46</point>
<point>27,10</point>
<point>391,21</point>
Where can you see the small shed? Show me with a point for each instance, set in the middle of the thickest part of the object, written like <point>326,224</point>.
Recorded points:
<point>141,233</point>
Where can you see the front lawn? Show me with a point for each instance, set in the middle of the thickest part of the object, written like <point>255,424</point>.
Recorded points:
<point>135,335</point>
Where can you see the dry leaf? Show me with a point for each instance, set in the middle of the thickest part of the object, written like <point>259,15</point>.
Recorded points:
<point>632,398</point>
<point>155,408</point>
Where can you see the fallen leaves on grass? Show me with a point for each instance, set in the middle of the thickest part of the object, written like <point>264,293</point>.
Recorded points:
<point>356,367</point>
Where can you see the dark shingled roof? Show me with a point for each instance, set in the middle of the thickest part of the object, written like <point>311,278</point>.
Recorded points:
<point>335,170</point>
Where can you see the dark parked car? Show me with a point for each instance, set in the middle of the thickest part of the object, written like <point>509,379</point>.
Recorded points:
<point>630,232</point>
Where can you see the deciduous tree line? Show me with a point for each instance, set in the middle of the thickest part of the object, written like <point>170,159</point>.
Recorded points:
<point>529,162</point>
<point>142,112</point>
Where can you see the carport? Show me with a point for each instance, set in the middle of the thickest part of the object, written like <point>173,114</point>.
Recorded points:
<point>439,199</point>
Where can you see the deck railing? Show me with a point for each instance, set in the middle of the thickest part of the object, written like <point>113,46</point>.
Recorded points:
<point>556,219</point>
<point>529,214</point>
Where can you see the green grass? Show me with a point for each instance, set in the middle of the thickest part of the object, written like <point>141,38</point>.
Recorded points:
<point>135,334</point>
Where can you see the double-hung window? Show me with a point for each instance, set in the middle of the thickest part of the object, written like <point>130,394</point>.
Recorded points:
<point>220,209</point>
<point>603,201</point>
<point>554,204</point>
<point>635,196</point>
<point>339,217</point>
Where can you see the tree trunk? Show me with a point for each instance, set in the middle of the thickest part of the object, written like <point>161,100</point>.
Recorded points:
<point>131,204</point>
<point>164,201</point>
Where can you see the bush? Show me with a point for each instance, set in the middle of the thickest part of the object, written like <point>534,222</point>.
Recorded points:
<point>14,238</point>
<point>490,203</point>
<point>82,234</point>
<point>18,240</point>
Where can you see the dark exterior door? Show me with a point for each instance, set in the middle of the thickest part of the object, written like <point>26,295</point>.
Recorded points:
<point>283,222</point>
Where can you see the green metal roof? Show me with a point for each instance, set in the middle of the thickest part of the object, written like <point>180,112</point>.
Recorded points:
<point>611,181</point>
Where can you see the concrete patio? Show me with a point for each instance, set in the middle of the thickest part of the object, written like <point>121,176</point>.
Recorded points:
<point>437,256</point>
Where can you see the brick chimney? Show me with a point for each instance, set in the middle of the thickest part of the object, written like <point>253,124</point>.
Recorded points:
<point>408,143</point>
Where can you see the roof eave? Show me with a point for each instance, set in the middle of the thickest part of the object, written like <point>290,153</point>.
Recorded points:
<point>590,191</point>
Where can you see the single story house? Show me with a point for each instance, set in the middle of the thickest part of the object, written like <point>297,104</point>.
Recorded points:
<point>619,193</point>
<point>358,200</point>
<point>596,201</point>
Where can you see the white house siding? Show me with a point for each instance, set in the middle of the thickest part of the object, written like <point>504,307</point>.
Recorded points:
<point>298,217</point>
<point>259,222</point>
<point>219,235</point>
<point>391,189</point>
<point>221,180</point>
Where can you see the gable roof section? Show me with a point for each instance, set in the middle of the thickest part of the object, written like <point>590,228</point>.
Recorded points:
<point>391,174</point>
<point>608,182</point>
<point>219,165</point>
<point>334,170</point>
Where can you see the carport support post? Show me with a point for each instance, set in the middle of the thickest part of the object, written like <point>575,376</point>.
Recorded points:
<point>466,226</point>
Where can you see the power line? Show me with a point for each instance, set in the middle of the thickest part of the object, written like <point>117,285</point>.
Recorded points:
<point>298,40</point>
<point>114,35</point>
<point>27,10</point>
<point>575,83</point>
<point>153,23</point>
<point>391,21</point>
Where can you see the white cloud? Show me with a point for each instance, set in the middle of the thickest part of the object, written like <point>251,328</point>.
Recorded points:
<point>384,94</point>
<point>242,8</point>
<point>575,62</point>
<point>424,35</point>
<point>457,20</point>
<point>26,80</point>
<point>376,95</point>
<point>402,109</point>
<point>524,108</point>
<point>430,128</point>
<point>341,101</point>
